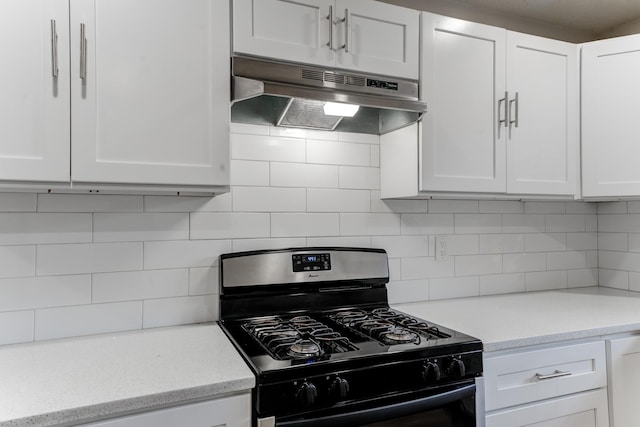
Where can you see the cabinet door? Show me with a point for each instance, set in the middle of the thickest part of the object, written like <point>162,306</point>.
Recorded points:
<point>542,146</point>
<point>299,31</point>
<point>34,105</point>
<point>152,106</point>
<point>624,380</point>
<point>232,411</point>
<point>463,83</point>
<point>579,410</point>
<point>377,38</point>
<point>610,125</point>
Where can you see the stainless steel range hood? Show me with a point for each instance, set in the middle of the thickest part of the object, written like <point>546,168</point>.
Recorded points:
<point>292,95</point>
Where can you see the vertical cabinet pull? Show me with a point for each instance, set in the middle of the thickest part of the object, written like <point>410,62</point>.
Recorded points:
<point>83,53</point>
<point>516,115</point>
<point>330,18</point>
<point>346,30</point>
<point>54,50</point>
<point>501,121</point>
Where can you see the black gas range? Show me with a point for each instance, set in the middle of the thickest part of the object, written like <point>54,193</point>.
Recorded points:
<point>315,326</point>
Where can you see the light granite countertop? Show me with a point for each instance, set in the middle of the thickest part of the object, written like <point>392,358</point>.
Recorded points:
<point>81,379</point>
<point>517,320</point>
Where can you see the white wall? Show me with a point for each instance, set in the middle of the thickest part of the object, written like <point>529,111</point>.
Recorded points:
<point>81,264</point>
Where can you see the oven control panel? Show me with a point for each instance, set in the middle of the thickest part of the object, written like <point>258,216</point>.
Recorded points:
<point>311,262</point>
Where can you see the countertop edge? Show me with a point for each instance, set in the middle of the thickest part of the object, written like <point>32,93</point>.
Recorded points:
<point>124,407</point>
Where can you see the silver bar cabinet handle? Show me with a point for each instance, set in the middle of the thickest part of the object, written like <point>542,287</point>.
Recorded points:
<point>346,30</point>
<point>330,18</point>
<point>54,49</point>
<point>516,115</point>
<point>506,111</point>
<point>83,53</point>
<point>556,374</point>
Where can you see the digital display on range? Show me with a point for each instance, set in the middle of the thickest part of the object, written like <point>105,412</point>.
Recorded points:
<point>311,262</point>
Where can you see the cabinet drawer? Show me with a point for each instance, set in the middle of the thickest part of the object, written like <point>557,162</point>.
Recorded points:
<point>587,409</point>
<point>529,376</point>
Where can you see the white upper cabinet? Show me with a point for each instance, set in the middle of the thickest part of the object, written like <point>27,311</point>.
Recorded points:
<point>543,132</point>
<point>150,92</point>
<point>360,35</point>
<point>610,125</point>
<point>34,88</point>
<point>463,84</point>
<point>502,116</point>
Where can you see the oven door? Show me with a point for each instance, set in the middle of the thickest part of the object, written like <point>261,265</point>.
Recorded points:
<point>454,407</point>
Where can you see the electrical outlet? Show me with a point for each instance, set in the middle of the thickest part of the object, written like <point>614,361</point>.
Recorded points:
<point>442,252</point>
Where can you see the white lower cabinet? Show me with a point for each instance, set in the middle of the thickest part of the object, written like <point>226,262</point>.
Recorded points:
<point>624,381</point>
<point>561,386</point>
<point>231,411</point>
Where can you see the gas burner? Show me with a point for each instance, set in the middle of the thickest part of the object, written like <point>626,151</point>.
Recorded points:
<point>348,318</point>
<point>304,348</point>
<point>397,335</point>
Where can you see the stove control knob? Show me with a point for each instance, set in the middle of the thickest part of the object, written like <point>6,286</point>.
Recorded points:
<point>430,372</point>
<point>306,394</point>
<point>339,388</point>
<point>457,368</point>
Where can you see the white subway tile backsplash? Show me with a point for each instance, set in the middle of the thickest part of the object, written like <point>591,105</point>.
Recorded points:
<point>375,155</point>
<point>250,129</point>
<point>338,153</point>
<point>612,208</point>
<point>581,208</point>
<point>426,267</point>
<point>545,280</point>
<point>18,202</point>
<point>305,224</point>
<point>544,242</point>
<point>591,225</point>
<point>40,228</point>
<point>205,225</point>
<point>625,261</point>
<point>351,241</point>
<point>566,223</point>
<point>204,280</point>
<point>249,172</point>
<point>501,206</point>
<point>135,227</point>
<point>501,243</point>
<point>528,223</point>
<point>403,246</point>
<point>453,206</point>
<point>633,206</point>
<point>304,176</point>
<point>358,137</point>
<point>474,265</point>
<point>582,278</point>
<point>220,203</point>
<point>88,258</point>
<point>16,327</point>
<point>333,200</point>
<point>362,178</point>
<point>582,241</point>
<point>269,199</point>
<point>80,320</point>
<point>17,261</point>
<point>88,203</point>
<point>267,148</point>
<point>634,282</point>
<point>37,292</point>
<point>614,278</point>
<point>463,244</point>
<point>613,242</point>
<point>366,224</point>
<point>416,224</point>
<point>180,311</point>
<point>395,269</point>
<point>454,287</point>
<point>544,207</point>
<point>477,223</point>
<point>184,254</point>
<point>569,260</point>
<point>502,284</point>
<point>241,245</point>
<point>407,291</point>
<point>137,285</point>
<point>520,263</point>
<point>396,206</point>
<point>629,223</point>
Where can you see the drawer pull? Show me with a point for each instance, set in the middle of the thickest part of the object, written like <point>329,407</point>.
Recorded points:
<point>555,374</point>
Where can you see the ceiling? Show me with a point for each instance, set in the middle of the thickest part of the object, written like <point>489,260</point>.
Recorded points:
<point>592,18</point>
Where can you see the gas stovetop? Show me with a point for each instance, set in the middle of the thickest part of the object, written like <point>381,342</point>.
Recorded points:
<point>315,326</point>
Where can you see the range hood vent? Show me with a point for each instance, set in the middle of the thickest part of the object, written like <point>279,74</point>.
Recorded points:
<point>292,95</point>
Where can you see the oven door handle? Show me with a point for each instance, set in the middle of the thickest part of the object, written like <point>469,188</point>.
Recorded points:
<point>386,412</point>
